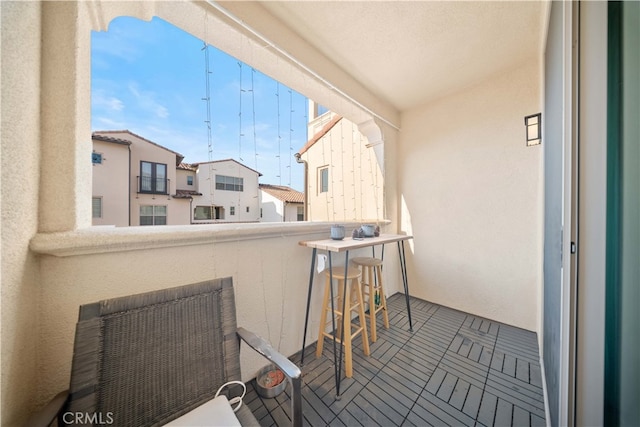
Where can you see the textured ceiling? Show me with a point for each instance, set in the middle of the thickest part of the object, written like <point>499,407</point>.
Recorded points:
<point>409,53</point>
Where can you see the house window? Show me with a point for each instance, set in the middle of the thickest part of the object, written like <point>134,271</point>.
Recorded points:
<point>96,158</point>
<point>190,180</point>
<point>247,209</point>
<point>232,210</point>
<point>203,213</point>
<point>153,215</point>
<point>153,178</point>
<point>323,179</point>
<point>321,110</point>
<point>229,183</point>
<point>96,207</point>
<point>300,213</point>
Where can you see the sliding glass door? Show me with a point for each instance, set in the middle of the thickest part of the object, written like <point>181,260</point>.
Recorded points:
<point>622,339</point>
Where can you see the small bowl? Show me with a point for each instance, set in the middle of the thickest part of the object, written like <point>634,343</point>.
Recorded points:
<point>368,230</point>
<point>264,381</point>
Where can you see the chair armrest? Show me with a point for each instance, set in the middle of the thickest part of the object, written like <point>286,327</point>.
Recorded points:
<point>290,370</point>
<point>45,416</point>
<point>261,345</point>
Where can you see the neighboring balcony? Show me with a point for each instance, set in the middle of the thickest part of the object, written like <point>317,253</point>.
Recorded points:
<point>150,185</point>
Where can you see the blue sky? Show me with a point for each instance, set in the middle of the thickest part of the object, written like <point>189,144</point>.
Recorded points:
<point>149,78</point>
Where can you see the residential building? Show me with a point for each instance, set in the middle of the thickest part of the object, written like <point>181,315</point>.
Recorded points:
<point>344,179</point>
<point>229,192</point>
<point>139,182</point>
<point>542,237</point>
<point>279,203</point>
<point>111,198</point>
<point>150,171</point>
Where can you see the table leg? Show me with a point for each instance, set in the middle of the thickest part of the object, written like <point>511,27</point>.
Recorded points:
<point>344,314</point>
<point>306,317</point>
<point>405,279</point>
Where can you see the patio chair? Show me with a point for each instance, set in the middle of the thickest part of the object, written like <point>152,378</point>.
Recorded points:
<point>147,359</point>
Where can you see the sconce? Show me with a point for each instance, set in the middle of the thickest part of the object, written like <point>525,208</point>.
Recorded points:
<point>533,127</point>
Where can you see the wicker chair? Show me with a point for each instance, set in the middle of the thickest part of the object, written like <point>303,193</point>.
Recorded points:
<point>147,359</point>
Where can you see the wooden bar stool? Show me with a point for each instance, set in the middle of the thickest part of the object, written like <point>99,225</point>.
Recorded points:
<point>374,290</point>
<point>355,303</point>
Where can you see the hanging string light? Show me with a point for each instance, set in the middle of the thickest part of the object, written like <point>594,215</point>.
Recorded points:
<point>290,133</point>
<point>354,153</point>
<point>253,110</point>
<point>342,177</point>
<point>279,155</point>
<point>240,134</point>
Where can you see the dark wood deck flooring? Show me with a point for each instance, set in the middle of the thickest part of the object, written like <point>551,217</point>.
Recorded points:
<point>454,369</point>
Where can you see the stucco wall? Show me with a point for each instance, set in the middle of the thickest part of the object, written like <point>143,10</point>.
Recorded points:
<point>111,183</point>
<point>240,200</point>
<point>355,176</point>
<point>469,189</point>
<point>20,175</point>
<point>271,208</point>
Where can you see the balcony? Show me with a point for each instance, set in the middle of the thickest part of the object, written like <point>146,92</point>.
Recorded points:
<point>150,185</point>
<point>454,369</point>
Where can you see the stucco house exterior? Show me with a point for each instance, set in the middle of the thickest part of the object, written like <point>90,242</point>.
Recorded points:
<point>500,230</point>
<point>150,170</point>
<point>344,179</point>
<point>111,196</point>
<point>139,182</point>
<point>229,192</point>
<point>279,203</point>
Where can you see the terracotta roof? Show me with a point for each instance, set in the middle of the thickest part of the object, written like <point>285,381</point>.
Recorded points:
<point>187,167</point>
<point>179,157</point>
<point>281,192</point>
<point>111,139</point>
<point>322,132</point>
<point>225,160</point>
<point>185,194</point>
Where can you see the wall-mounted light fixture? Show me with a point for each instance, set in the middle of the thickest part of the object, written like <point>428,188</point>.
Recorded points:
<point>533,126</point>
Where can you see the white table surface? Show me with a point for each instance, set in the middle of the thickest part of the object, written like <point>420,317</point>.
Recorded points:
<point>349,243</point>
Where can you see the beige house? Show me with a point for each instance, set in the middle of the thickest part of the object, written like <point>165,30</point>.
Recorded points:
<point>228,192</point>
<point>111,197</point>
<point>501,230</point>
<point>151,172</point>
<point>279,203</point>
<point>344,179</point>
<point>139,182</point>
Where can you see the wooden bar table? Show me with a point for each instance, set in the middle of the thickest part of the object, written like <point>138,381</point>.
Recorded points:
<point>345,245</point>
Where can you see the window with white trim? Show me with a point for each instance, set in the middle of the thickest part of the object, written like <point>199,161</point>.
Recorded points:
<point>96,207</point>
<point>323,179</point>
<point>229,183</point>
<point>153,215</point>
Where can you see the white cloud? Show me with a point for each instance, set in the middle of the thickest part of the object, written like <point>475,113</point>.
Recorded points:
<point>101,100</point>
<point>147,102</point>
<point>109,123</point>
<point>162,112</point>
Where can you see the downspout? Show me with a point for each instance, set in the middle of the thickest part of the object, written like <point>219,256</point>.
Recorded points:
<point>190,210</point>
<point>284,211</point>
<point>129,195</point>
<point>306,178</point>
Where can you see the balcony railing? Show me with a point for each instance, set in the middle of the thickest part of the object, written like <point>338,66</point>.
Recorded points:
<point>149,185</point>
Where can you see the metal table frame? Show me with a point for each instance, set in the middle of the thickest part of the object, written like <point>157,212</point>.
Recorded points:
<point>345,246</point>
